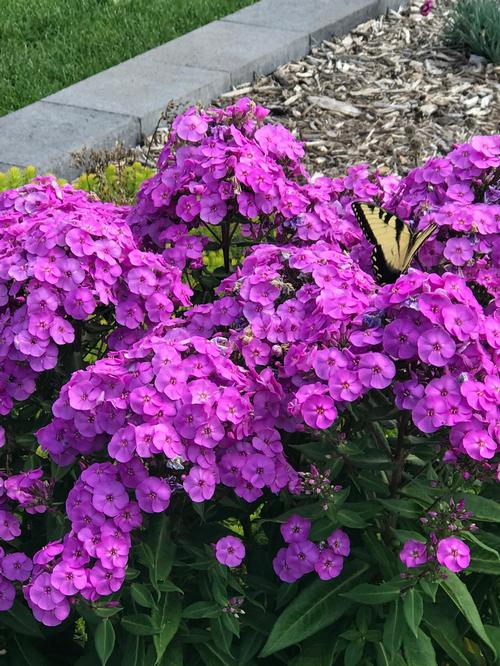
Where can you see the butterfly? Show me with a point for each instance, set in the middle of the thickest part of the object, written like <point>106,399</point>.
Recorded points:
<point>395,243</point>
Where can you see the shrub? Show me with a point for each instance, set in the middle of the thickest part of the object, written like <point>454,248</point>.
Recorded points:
<point>118,182</point>
<point>297,465</point>
<point>475,25</point>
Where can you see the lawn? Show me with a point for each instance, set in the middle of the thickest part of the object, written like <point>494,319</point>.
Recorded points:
<point>50,44</point>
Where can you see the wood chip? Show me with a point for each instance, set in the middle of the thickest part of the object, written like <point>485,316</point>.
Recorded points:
<point>334,105</point>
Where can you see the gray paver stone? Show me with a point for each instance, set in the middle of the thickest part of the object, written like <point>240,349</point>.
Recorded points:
<point>236,48</point>
<point>142,86</point>
<point>320,18</point>
<point>45,135</point>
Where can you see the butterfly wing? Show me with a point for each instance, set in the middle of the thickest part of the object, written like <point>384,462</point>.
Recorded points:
<point>417,240</point>
<point>391,237</point>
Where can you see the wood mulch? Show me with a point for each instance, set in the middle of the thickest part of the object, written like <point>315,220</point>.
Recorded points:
<point>389,93</point>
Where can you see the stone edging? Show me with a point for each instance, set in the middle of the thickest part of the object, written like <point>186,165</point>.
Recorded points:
<point>125,101</point>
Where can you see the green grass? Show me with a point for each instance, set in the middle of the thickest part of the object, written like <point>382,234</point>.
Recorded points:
<point>475,25</point>
<point>49,44</point>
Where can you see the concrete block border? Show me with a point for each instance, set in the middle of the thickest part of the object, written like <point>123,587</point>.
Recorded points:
<point>124,102</point>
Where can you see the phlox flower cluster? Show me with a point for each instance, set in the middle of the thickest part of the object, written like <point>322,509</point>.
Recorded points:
<point>458,193</point>
<point>176,399</point>
<point>302,556</point>
<point>435,325</point>
<point>442,546</point>
<point>296,306</point>
<point>218,165</point>
<point>63,257</point>
<point>24,492</point>
<point>91,559</point>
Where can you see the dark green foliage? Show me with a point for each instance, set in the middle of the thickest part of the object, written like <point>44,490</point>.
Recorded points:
<point>475,25</point>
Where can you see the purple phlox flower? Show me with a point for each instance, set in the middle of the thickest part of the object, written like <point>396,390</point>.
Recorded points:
<point>9,526</point>
<point>427,7</point>
<point>436,347</point>
<point>453,554</point>
<point>414,553</point>
<point>479,445</point>
<point>458,250</point>
<point>328,565</point>
<point>106,581</point>
<point>296,529</point>
<point>283,569</point>
<point>339,542</point>
<point>302,556</point>
<point>319,411</point>
<point>109,497</point>
<point>153,495</point>
<point>16,566</point>
<point>190,127</point>
<point>43,594</point>
<point>7,594</point>
<point>230,551</point>
<point>376,370</point>
<point>67,579</point>
<point>199,484</point>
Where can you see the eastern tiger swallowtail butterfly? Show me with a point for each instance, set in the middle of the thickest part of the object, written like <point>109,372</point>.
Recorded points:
<point>395,243</point>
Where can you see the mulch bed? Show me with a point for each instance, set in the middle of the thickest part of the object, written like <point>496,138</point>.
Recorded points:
<point>390,93</point>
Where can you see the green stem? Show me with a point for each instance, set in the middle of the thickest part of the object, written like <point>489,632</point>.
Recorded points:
<point>494,607</point>
<point>400,456</point>
<point>226,245</point>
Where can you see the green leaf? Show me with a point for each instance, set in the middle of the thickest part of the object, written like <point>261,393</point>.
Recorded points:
<point>445,633</point>
<point>23,653</point>
<point>230,623</point>
<point>371,459</point>
<point>429,589</point>
<point>174,654</point>
<point>222,637</point>
<point>249,645</point>
<point>133,651</point>
<point>413,608</point>
<point>383,656</point>
<point>494,635</point>
<point>393,628</point>
<point>375,594</point>
<point>354,652</point>
<point>418,649</point>
<point>142,595</point>
<point>163,550</point>
<point>168,620</point>
<point>104,612</point>
<point>168,586</point>
<point>461,597</point>
<point>483,508</point>
<point>381,554</point>
<point>403,508</point>
<point>22,621</point>
<point>472,537</point>
<point>212,656</point>
<point>201,609</point>
<point>421,490</point>
<point>316,607</point>
<point>351,519</point>
<point>104,641</point>
<point>139,625</point>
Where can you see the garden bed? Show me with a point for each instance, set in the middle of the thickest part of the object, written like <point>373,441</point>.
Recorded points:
<point>389,93</point>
